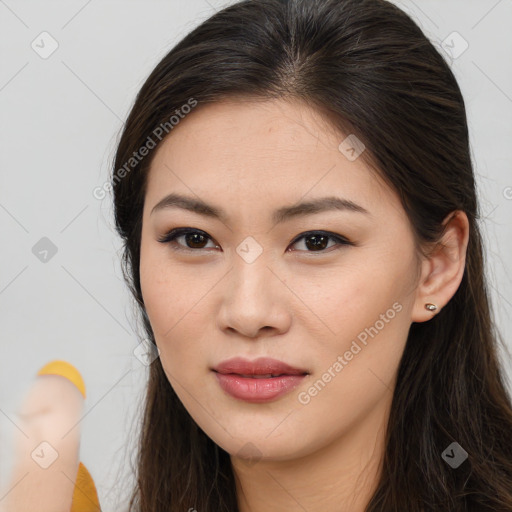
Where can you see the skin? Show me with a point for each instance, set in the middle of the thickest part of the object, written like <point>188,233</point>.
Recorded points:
<point>294,303</point>
<point>46,446</point>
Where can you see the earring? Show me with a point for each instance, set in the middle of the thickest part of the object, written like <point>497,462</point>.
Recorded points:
<point>430,307</point>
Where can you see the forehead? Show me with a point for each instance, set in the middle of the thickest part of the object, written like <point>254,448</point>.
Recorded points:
<point>261,129</point>
<point>269,151</point>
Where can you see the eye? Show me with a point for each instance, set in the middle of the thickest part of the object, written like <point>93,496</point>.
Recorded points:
<point>318,240</point>
<point>196,239</point>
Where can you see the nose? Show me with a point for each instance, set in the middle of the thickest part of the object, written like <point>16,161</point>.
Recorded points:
<point>255,301</point>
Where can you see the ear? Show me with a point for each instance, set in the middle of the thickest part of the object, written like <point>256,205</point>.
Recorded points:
<point>442,270</point>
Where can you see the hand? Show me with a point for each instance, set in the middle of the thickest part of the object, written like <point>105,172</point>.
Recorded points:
<point>47,474</point>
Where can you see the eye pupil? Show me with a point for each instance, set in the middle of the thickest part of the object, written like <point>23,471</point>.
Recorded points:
<point>318,241</point>
<point>192,238</point>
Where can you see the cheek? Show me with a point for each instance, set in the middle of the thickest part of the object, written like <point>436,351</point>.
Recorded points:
<point>173,305</point>
<point>341,301</point>
<point>163,289</point>
<point>363,316</point>
<point>355,369</point>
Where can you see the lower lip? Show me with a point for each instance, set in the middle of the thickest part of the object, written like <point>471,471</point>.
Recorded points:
<point>257,390</point>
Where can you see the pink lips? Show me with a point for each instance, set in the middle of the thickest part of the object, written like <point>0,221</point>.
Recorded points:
<point>260,380</point>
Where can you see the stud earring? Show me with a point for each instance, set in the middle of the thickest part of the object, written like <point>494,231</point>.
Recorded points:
<point>430,307</point>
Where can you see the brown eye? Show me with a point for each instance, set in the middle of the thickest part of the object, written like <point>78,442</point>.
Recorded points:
<point>317,241</point>
<point>193,239</point>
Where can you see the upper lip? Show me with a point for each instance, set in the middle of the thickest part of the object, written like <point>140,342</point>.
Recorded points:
<point>260,366</point>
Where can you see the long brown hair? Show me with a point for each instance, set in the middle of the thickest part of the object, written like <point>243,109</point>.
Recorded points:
<point>370,69</point>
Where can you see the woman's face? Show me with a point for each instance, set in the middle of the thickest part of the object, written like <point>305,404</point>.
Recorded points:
<point>250,284</point>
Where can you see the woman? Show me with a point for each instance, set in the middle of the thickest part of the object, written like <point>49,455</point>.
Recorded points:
<point>294,182</point>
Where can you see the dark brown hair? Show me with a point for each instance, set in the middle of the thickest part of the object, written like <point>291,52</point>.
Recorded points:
<point>370,69</point>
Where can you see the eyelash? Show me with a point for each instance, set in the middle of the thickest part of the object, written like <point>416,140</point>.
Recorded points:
<point>177,232</point>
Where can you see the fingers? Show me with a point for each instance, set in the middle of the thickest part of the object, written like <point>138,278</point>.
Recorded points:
<point>47,443</point>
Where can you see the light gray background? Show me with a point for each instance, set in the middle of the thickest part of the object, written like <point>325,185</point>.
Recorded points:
<point>60,117</point>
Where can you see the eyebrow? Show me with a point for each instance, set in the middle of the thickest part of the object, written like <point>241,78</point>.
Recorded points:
<point>280,215</point>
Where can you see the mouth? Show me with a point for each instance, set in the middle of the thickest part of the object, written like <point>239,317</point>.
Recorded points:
<point>261,380</point>
<point>261,368</point>
<point>258,388</point>
<point>263,376</point>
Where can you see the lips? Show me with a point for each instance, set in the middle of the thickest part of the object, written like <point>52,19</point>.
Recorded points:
<point>261,368</point>
<point>261,380</point>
